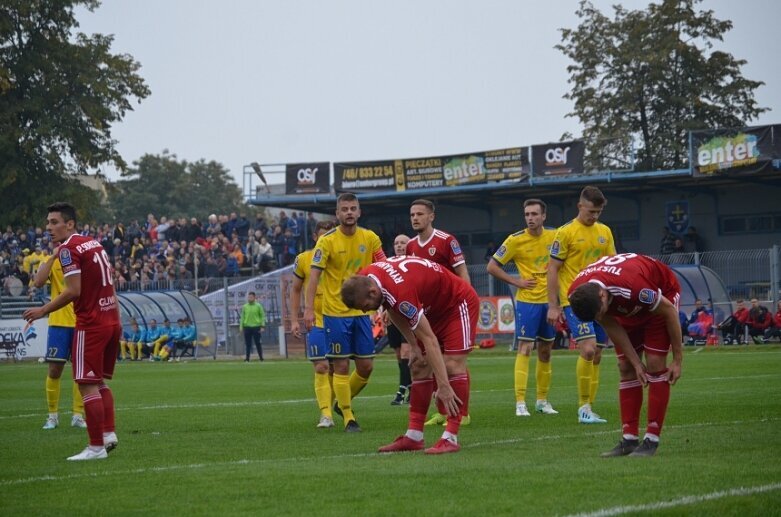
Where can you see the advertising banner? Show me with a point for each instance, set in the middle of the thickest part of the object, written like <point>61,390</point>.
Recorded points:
<point>743,150</point>
<point>307,178</point>
<point>496,315</point>
<point>20,341</point>
<point>365,176</point>
<point>558,159</point>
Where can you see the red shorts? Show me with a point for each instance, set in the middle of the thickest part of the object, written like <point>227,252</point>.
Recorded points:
<point>647,335</point>
<point>94,353</point>
<point>456,334</point>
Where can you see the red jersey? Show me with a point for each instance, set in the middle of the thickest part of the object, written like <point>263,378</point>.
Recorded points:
<point>635,282</point>
<point>97,304</point>
<point>413,286</point>
<point>441,248</point>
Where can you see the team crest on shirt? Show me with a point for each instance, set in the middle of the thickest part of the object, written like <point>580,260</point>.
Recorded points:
<point>318,256</point>
<point>554,248</point>
<point>501,251</point>
<point>362,248</point>
<point>602,240</point>
<point>647,296</point>
<point>65,257</point>
<point>432,251</point>
<point>408,310</point>
<point>455,246</point>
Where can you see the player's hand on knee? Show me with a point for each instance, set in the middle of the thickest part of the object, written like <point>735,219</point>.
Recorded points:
<point>449,400</point>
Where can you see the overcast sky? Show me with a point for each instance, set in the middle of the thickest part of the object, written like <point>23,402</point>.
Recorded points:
<point>343,80</point>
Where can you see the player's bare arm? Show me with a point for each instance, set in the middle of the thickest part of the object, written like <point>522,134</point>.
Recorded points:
<point>295,304</point>
<point>462,271</point>
<point>409,336</point>
<point>620,339</point>
<point>673,325</point>
<point>554,309</point>
<point>71,292</point>
<point>497,271</point>
<point>309,301</point>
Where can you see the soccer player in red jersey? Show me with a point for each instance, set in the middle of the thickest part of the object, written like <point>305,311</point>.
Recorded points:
<point>635,299</point>
<point>89,285</point>
<point>433,244</point>
<point>436,310</point>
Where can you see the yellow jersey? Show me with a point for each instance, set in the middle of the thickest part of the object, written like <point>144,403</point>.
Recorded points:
<point>577,246</point>
<point>64,317</point>
<point>302,269</point>
<point>340,256</point>
<point>531,254</point>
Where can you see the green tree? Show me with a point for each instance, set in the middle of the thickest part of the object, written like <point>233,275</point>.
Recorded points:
<point>60,94</point>
<point>163,185</point>
<point>653,75</point>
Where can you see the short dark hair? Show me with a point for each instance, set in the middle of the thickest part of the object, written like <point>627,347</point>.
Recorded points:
<point>354,289</point>
<point>535,201</point>
<point>593,195</point>
<point>346,196</point>
<point>251,293</point>
<point>425,202</point>
<point>324,225</point>
<point>67,210</point>
<point>585,301</point>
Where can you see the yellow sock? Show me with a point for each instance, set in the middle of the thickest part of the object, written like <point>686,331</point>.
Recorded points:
<point>521,376</point>
<point>78,401</point>
<point>342,392</point>
<point>594,384</point>
<point>123,349</point>
<point>583,370</point>
<point>544,373</point>
<point>331,383</point>
<point>357,383</point>
<point>164,353</point>
<point>323,394</point>
<point>52,394</point>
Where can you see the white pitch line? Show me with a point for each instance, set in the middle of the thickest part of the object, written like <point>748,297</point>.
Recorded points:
<point>371,455</point>
<point>680,501</point>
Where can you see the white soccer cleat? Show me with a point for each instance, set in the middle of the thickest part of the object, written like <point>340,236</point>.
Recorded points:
<point>90,454</point>
<point>586,416</point>
<point>325,422</point>
<point>544,407</point>
<point>51,423</point>
<point>521,410</point>
<point>110,441</point>
<point>78,421</point>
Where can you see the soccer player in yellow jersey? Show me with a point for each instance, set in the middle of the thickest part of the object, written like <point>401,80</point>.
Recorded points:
<point>577,244</point>
<point>338,255</point>
<point>58,345</point>
<point>529,249</point>
<point>316,347</point>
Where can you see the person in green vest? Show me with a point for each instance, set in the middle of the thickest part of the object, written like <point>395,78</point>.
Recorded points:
<point>253,319</point>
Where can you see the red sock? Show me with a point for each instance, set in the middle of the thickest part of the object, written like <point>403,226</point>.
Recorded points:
<point>93,411</point>
<point>658,397</point>
<point>419,401</point>
<point>460,385</point>
<point>108,408</point>
<point>630,396</point>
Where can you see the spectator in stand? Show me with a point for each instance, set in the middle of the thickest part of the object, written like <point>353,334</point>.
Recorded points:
<point>693,242</point>
<point>260,226</point>
<point>232,265</point>
<point>759,320</point>
<point>241,227</point>
<point>734,327</point>
<point>238,255</point>
<point>251,252</point>
<point>266,255</point>
<point>162,228</point>
<point>214,228</point>
<point>137,250</point>
<point>700,323</point>
<point>290,249</point>
<point>193,230</point>
<point>277,241</point>
<point>301,235</point>
<point>667,246</point>
<point>227,228</point>
<point>775,329</point>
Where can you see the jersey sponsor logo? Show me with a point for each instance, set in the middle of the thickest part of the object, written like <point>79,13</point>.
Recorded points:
<point>647,296</point>
<point>65,257</point>
<point>602,240</point>
<point>408,310</point>
<point>432,251</point>
<point>455,246</point>
<point>554,248</point>
<point>318,256</point>
<point>501,251</point>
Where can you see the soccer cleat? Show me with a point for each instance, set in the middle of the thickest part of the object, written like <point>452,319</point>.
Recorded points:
<point>398,400</point>
<point>51,423</point>
<point>110,441</point>
<point>647,448</point>
<point>401,444</point>
<point>352,427</point>
<point>325,422</point>
<point>521,410</point>
<point>443,446</point>
<point>437,419</point>
<point>466,420</point>
<point>89,454</point>
<point>338,410</point>
<point>586,416</point>
<point>78,421</point>
<point>623,448</point>
<point>544,407</point>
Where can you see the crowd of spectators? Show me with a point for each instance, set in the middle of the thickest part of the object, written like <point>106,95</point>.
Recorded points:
<point>164,253</point>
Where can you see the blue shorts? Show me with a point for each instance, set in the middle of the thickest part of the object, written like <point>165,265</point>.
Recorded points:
<point>531,322</point>
<point>349,336</point>
<point>58,344</point>
<point>316,347</point>
<point>580,330</point>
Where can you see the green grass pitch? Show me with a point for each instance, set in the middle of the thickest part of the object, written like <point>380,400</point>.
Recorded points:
<point>227,438</point>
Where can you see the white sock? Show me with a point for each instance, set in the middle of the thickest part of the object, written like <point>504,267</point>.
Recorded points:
<point>55,416</point>
<point>96,448</point>
<point>630,437</point>
<point>414,435</point>
<point>652,437</point>
<point>447,435</point>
